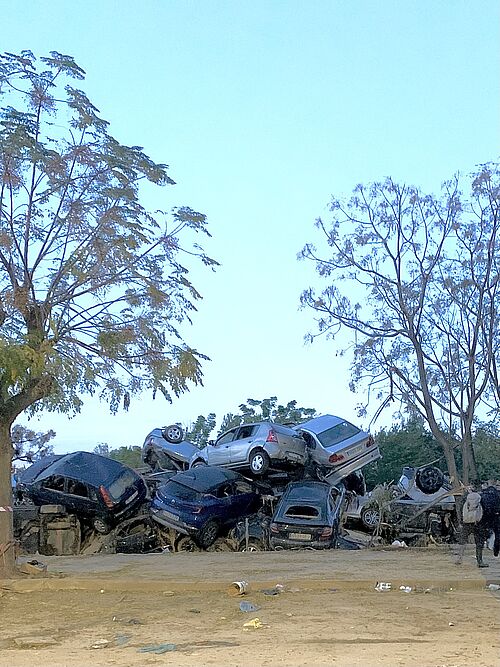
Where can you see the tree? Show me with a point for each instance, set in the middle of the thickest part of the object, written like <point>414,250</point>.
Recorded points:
<point>413,280</point>
<point>267,409</point>
<point>199,432</point>
<point>93,285</point>
<point>30,446</point>
<point>129,456</point>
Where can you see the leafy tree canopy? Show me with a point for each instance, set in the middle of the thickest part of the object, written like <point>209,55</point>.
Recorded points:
<point>29,445</point>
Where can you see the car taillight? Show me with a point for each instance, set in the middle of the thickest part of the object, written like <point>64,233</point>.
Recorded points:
<point>370,442</point>
<point>271,436</point>
<point>326,532</point>
<point>198,510</point>
<point>274,528</point>
<point>108,501</point>
<point>335,458</point>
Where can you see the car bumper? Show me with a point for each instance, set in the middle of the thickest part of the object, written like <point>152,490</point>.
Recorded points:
<point>170,520</point>
<point>284,543</point>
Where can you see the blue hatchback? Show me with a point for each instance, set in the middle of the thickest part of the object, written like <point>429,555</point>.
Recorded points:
<point>204,502</point>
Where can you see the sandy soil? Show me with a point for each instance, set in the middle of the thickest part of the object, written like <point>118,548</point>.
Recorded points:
<point>329,612</point>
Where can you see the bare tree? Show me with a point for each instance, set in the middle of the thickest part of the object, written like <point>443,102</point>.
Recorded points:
<point>411,279</point>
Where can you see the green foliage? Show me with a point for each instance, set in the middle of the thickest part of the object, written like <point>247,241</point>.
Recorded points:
<point>30,446</point>
<point>130,456</point>
<point>199,432</point>
<point>487,449</point>
<point>92,284</point>
<point>267,409</point>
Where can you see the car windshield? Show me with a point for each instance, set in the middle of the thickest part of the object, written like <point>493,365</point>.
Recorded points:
<point>337,434</point>
<point>180,491</point>
<point>119,486</point>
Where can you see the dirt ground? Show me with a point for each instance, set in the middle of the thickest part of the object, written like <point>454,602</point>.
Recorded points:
<point>103,610</point>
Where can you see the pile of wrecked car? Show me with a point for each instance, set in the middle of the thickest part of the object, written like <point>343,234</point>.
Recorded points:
<point>257,487</point>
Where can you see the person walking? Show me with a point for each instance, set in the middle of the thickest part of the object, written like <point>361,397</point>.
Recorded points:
<point>473,524</point>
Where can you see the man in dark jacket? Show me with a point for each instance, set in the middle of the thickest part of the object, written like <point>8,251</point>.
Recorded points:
<point>490,501</point>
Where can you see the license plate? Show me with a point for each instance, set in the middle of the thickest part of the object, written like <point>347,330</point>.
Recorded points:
<point>300,536</point>
<point>356,450</point>
<point>129,500</point>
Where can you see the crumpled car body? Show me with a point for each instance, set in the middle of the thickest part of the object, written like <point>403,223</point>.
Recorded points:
<point>255,447</point>
<point>159,453</point>
<point>204,503</point>
<point>337,446</point>
<point>308,515</point>
<point>94,487</point>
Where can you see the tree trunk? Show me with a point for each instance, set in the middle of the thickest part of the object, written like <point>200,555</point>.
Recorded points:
<point>468,461</point>
<point>7,550</point>
<point>450,462</point>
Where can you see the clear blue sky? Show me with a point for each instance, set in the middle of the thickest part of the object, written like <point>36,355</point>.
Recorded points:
<point>263,110</point>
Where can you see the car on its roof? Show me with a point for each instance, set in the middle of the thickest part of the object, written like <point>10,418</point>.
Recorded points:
<point>308,515</point>
<point>337,447</point>
<point>166,449</point>
<point>98,489</point>
<point>204,502</point>
<point>255,447</point>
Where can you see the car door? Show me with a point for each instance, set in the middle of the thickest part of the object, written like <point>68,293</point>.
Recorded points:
<point>49,491</point>
<point>242,443</point>
<point>80,498</point>
<point>244,499</point>
<point>219,454</point>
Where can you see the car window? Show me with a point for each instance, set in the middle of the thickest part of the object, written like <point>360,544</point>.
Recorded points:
<point>246,431</point>
<point>224,491</point>
<point>227,437</point>
<point>76,488</point>
<point>54,483</point>
<point>302,512</point>
<point>180,491</point>
<point>337,433</point>
<point>120,485</point>
<point>243,487</point>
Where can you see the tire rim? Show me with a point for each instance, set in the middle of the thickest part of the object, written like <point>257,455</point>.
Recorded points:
<point>174,432</point>
<point>210,533</point>
<point>371,518</point>
<point>257,462</point>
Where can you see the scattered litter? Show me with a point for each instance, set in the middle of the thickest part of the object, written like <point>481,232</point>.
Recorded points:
<point>400,544</point>
<point>157,648</point>
<point>451,623</point>
<point>406,589</point>
<point>33,567</point>
<point>195,611</point>
<point>493,587</point>
<point>238,588</point>
<point>102,590</point>
<point>134,621</point>
<point>248,606</point>
<point>255,624</point>
<point>333,590</point>
<point>289,614</point>
<point>168,594</point>
<point>272,591</point>
<point>383,586</point>
<point>34,642</point>
<point>128,621</point>
<point>294,590</point>
<point>101,643</point>
<point>121,640</point>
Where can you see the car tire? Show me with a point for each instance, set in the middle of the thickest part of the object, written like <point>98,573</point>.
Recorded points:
<point>173,433</point>
<point>100,526</point>
<point>253,545</point>
<point>185,543</point>
<point>370,517</point>
<point>208,534</point>
<point>198,463</point>
<point>259,462</point>
<point>429,479</point>
<point>220,544</point>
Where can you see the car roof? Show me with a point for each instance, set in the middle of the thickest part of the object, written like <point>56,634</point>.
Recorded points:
<point>205,478</point>
<point>308,490</point>
<point>321,423</point>
<point>84,466</point>
<point>29,474</point>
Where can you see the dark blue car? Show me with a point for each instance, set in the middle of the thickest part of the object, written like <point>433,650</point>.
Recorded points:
<point>204,502</point>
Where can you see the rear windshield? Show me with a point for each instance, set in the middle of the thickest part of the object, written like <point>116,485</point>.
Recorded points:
<point>302,512</point>
<point>337,433</point>
<point>121,484</point>
<point>179,491</point>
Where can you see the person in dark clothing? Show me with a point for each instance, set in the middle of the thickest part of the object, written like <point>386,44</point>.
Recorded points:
<point>480,517</point>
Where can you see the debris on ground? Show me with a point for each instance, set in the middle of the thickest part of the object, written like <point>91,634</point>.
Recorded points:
<point>157,648</point>
<point>248,606</point>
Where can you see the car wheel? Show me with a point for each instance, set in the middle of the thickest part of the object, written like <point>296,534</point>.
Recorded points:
<point>173,433</point>
<point>429,479</point>
<point>185,543</point>
<point>198,463</point>
<point>253,545</point>
<point>370,517</point>
<point>208,534</point>
<point>100,526</point>
<point>259,462</point>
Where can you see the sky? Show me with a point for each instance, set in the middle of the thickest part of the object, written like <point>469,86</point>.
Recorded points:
<point>263,110</point>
